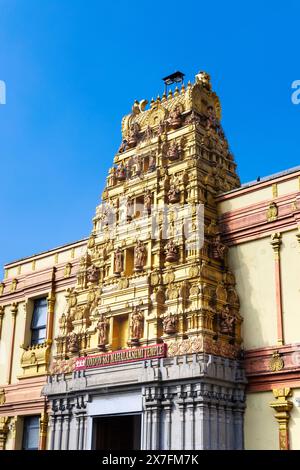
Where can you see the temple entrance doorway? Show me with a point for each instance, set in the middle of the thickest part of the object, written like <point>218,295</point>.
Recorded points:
<point>118,432</point>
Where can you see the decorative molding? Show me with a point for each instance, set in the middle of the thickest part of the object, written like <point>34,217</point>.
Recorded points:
<point>282,407</point>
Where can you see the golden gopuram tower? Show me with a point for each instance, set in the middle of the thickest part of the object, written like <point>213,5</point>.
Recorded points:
<point>154,283</point>
<point>155,270</point>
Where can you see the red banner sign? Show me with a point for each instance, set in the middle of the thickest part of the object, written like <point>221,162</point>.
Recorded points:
<point>121,357</point>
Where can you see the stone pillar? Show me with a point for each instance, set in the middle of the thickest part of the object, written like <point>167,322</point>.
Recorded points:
<point>213,414</point>
<point>58,432</point>
<point>238,414</point>
<point>190,425</point>
<point>52,431</point>
<point>222,441</point>
<point>229,428</point>
<point>167,406</point>
<point>66,432</point>
<point>156,427</point>
<point>181,406</point>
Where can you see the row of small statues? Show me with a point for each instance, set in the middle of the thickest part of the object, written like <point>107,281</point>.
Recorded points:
<point>140,256</point>
<point>135,166</point>
<point>174,121</point>
<point>169,323</point>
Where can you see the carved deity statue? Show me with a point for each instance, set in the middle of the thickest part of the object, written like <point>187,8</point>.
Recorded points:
<point>129,209</point>
<point>120,172</point>
<point>173,194</point>
<point>92,273</point>
<point>137,321</point>
<point>73,343</point>
<point>175,118</point>
<point>171,252</point>
<point>170,324</point>
<point>118,262</point>
<point>203,78</point>
<point>102,327</point>
<point>219,250</point>
<point>133,135</point>
<point>148,133</point>
<point>152,162</point>
<point>148,202</point>
<point>139,256</point>
<point>227,322</point>
<point>174,151</point>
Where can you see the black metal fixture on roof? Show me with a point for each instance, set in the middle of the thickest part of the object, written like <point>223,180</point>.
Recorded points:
<point>176,77</point>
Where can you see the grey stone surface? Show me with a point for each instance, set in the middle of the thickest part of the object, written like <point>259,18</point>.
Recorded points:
<point>188,402</point>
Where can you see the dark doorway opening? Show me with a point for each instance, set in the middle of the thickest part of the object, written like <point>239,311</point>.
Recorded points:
<point>122,432</point>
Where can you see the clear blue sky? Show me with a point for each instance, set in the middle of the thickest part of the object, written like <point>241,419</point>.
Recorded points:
<point>74,67</point>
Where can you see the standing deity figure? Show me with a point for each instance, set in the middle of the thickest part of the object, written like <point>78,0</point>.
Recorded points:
<point>170,324</point>
<point>212,120</point>
<point>219,250</point>
<point>162,127</point>
<point>148,133</point>
<point>171,252</point>
<point>120,172</point>
<point>175,118</point>
<point>133,135</point>
<point>173,194</point>
<point>102,327</point>
<point>73,344</point>
<point>138,166</point>
<point>139,256</point>
<point>174,151</point>
<point>227,322</point>
<point>129,209</point>
<point>137,321</point>
<point>152,162</point>
<point>148,202</point>
<point>118,262</point>
<point>92,273</point>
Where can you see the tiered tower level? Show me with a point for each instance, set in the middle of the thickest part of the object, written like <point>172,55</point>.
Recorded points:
<point>142,281</point>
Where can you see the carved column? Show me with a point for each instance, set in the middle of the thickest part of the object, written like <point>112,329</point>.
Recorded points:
<point>3,431</point>
<point>181,406</point>
<point>52,431</point>
<point>66,431</point>
<point>14,311</point>
<point>276,243</point>
<point>156,426</point>
<point>43,431</point>
<point>167,406</point>
<point>282,407</point>
<point>58,432</point>
<point>50,316</point>
<point>1,318</point>
<point>190,424</point>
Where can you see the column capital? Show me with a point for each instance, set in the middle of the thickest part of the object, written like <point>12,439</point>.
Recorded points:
<point>276,242</point>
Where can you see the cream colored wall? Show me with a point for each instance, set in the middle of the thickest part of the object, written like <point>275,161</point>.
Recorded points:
<point>260,426</point>
<point>253,266</point>
<point>287,187</point>
<point>247,199</point>
<point>294,424</point>
<point>290,274</point>
<point>259,195</point>
<point>5,343</point>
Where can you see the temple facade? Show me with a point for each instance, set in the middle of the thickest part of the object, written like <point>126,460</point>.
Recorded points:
<point>174,325</point>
